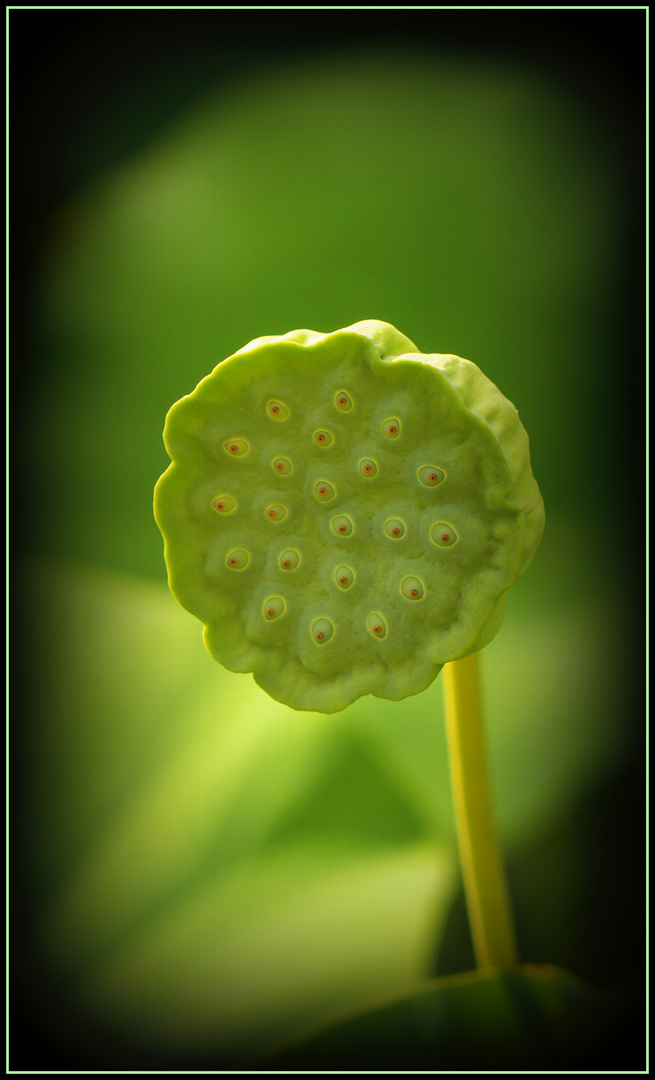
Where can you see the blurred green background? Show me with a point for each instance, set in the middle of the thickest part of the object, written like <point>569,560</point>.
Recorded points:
<point>199,871</point>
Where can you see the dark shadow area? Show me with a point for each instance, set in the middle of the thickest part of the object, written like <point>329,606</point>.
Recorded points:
<point>579,898</point>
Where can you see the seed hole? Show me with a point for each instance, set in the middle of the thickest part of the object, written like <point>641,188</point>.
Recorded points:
<point>412,588</point>
<point>276,512</point>
<point>324,491</point>
<point>322,438</point>
<point>274,607</point>
<point>391,428</point>
<point>282,466</point>
<point>289,559</point>
<point>443,534</point>
<point>430,475</point>
<point>368,468</point>
<point>394,528</point>
<point>237,559</point>
<point>343,401</point>
<point>344,577</point>
<point>342,525</point>
<point>236,447</point>
<point>376,625</point>
<point>322,630</point>
<point>224,504</point>
<point>277,410</point>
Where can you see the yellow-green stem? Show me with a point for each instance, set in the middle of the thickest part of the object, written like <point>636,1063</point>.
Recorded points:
<point>486,893</point>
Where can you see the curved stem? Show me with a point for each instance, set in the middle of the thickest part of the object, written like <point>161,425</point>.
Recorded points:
<point>485,888</point>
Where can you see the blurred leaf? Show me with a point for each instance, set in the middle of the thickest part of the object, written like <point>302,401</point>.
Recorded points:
<point>255,953</point>
<point>180,901</point>
<point>216,870</point>
<point>532,1019</point>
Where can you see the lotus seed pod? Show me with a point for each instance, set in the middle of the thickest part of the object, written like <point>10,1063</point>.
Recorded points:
<point>344,513</point>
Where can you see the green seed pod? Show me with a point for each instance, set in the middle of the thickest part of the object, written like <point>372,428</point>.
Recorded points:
<point>452,518</point>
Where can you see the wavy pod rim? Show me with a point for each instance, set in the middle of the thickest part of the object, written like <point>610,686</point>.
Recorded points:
<point>447,415</point>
